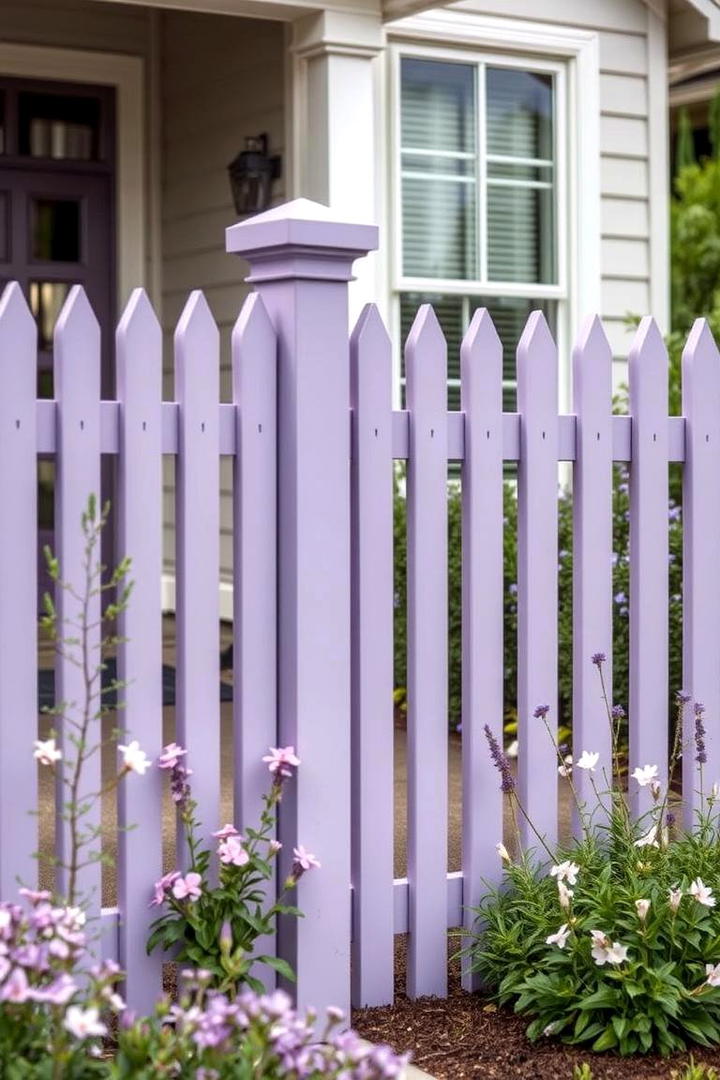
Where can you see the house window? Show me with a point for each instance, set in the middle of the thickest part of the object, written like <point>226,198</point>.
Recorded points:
<point>478,198</point>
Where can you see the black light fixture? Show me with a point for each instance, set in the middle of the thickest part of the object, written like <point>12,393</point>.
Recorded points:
<point>251,175</point>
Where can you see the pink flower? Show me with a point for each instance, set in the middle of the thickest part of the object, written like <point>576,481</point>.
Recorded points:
<point>16,987</point>
<point>225,832</point>
<point>232,851</point>
<point>282,760</point>
<point>34,896</point>
<point>187,887</point>
<point>304,860</point>
<point>162,886</point>
<point>274,846</point>
<point>170,756</point>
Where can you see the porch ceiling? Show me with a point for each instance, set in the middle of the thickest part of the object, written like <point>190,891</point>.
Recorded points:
<point>282,10</point>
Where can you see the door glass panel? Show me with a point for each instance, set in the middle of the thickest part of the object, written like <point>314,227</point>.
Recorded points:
<point>55,225</point>
<point>59,126</point>
<point>4,229</point>
<point>46,301</point>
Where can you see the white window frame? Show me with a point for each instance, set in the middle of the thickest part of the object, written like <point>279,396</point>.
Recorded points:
<point>571,54</point>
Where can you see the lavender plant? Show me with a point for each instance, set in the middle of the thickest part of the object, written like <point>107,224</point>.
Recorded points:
<point>614,941</point>
<point>208,1036</point>
<point>80,722</point>
<point>215,927</point>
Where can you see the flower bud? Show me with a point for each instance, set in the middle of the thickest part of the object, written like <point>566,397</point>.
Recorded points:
<point>642,907</point>
<point>503,853</point>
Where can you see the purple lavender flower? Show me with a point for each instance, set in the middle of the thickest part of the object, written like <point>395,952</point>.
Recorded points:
<point>618,713</point>
<point>598,659</point>
<point>507,781</point>
<point>541,711</point>
<point>701,755</point>
<point>682,697</point>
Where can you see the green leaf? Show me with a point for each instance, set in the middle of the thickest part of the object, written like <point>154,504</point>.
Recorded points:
<point>606,1041</point>
<point>279,965</point>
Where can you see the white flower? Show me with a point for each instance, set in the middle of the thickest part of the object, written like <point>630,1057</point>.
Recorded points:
<point>642,907</point>
<point>512,750</point>
<point>565,895</point>
<point>702,893</point>
<point>714,793</point>
<point>135,759</point>
<point>617,953</point>
<point>603,952</point>
<point>713,974</point>
<point>503,852</point>
<point>46,752</point>
<point>645,775</point>
<point>560,939</point>
<point>566,768</point>
<point>650,839</point>
<point>83,1023</point>
<point>587,760</point>
<point>549,1030</point>
<point>674,898</point>
<point>566,871</point>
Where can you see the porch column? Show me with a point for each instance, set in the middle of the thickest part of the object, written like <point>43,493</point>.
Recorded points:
<point>339,146</point>
<point>301,258</point>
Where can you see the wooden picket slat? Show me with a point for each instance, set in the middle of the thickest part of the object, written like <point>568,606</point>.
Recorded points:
<point>482,599</point>
<point>592,559</point>
<point>427,615</point>
<point>701,581</point>
<point>372,667</point>
<point>648,557</point>
<point>77,395</point>
<point>140,523</point>
<point>254,359</point>
<point>197,546</point>
<point>18,592</point>
<point>537,557</point>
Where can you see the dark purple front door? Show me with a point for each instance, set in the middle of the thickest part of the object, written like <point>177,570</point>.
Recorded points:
<point>57,221</point>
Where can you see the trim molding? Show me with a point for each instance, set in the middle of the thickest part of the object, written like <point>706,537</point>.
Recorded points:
<point>127,75</point>
<point>658,155</point>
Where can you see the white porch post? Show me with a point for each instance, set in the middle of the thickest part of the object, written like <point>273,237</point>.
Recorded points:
<point>338,128</point>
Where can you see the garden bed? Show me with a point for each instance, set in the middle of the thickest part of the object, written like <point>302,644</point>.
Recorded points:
<point>466,1037</point>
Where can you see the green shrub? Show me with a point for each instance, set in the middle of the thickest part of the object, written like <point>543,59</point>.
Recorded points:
<point>616,945</point>
<point>695,1072</point>
<point>621,592</point>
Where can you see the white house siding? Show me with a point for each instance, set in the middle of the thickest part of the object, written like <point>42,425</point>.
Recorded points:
<point>222,79</point>
<point>633,118</point>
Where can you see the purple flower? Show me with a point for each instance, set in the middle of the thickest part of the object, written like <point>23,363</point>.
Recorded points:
<point>507,780</point>
<point>541,711</point>
<point>620,598</point>
<point>598,658</point>
<point>701,753</point>
<point>682,697</point>
<point>618,713</point>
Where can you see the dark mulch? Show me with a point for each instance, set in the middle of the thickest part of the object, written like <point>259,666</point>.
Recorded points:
<point>467,1036</point>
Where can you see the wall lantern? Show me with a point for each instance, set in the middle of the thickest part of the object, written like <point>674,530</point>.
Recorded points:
<point>251,175</point>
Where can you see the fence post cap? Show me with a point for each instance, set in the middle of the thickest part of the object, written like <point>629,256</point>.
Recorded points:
<point>301,226</point>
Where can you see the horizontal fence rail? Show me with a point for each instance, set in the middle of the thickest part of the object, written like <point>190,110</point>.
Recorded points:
<point>227,413</point>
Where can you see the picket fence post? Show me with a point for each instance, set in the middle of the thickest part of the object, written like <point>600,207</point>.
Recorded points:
<point>301,261</point>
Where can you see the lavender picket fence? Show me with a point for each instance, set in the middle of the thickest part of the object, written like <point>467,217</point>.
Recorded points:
<point>314,440</point>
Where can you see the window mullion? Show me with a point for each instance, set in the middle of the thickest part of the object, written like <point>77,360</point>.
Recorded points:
<point>482,175</point>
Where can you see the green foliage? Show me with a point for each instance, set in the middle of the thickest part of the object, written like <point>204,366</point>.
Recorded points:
<point>621,592</point>
<point>582,1072</point>
<point>617,945</point>
<point>217,930</point>
<point>695,1072</point>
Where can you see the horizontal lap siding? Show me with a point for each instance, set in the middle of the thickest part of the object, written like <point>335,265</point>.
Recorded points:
<point>75,24</point>
<point>222,79</point>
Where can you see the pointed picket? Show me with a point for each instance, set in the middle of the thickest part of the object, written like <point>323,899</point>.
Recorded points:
<point>537,555</point>
<point>701,581</point>
<point>254,360</point>
<point>139,516</point>
<point>427,613</point>
<point>18,592</point>
<point>77,477</point>
<point>372,668</point>
<point>592,554</point>
<point>649,556</point>
<point>197,525</point>
<point>254,349</point>
<point>481,360</point>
